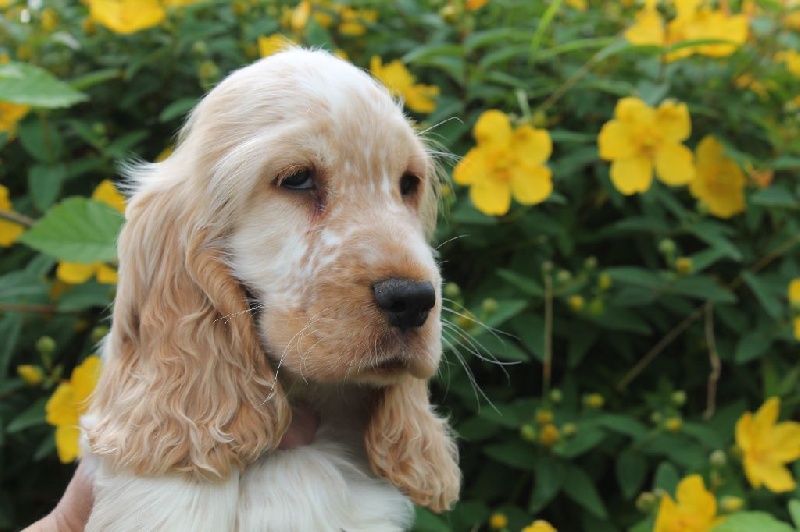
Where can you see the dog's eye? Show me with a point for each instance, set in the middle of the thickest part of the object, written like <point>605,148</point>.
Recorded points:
<point>299,180</point>
<point>409,184</point>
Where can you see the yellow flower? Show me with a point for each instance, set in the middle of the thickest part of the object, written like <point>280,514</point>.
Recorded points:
<point>9,231</point>
<point>352,20</point>
<point>648,30</point>
<point>401,82</point>
<point>505,163</point>
<point>731,504</point>
<point>32,375</point>
<point>767,446</point>
<point>718,181</point>
<point>68,403</point>
<point>498,521</point>
<point>684,265</point>
<point>695,510</point>
<point>10,114</point>
<point>539,526</point>
<point>127,16</point>
<point>76,272</point>
<point>474,5</point>
<point>549,435</point>
<point>702,23</point>
<point>580,5</point>
<point>273,44</point>
<point>791,59</point>
<point>49,19</point>
<point>640,138</point>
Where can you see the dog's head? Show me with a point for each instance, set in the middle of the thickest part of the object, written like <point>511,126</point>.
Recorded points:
<point>298,187</point>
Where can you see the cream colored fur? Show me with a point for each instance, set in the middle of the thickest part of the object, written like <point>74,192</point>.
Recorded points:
<point>197,387</point>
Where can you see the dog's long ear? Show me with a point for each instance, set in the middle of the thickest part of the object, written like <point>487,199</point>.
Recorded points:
<point>186,386</point>
<point>409,445</point>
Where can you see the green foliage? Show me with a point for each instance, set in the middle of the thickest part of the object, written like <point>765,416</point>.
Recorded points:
<point>599,347</point>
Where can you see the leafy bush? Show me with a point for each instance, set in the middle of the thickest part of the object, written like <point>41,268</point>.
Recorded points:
<point>620,240</point>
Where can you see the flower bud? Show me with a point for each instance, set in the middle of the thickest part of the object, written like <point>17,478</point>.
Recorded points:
<point>604,281</point>
<point>46,346</point>
<point>684,265</point>
<point>656,417</point>
<point>594,400</point>
<point>544,417</point>
<point>731,503</point>
<point>717,458</point>
<point>489,305</point>
<point>590,263</point>
<point>576,303</point>
<point>549,435</point>
<point>32,375</point>
<point>451,290</point>
<point>98,333</point>
<point>569,429</point>
<point>678,398</point>
<point>528,432</point>
<point>563,276</point>
<point>547,267</point>
<point>556,396</point>
<point>646,502</point>
<point>596,307</point>
<point>673,424</point>
<point>498,521</point>
<point>667,247</point>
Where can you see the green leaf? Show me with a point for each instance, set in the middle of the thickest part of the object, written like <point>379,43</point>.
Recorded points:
<point>584,440</point>
<point>44,183</point>
<point>579,487</point>
<point>427,521</point>
<point>631,472</point>
<point>751,522</point>
<point>32,416</point>
<point>794,511</point>
<point>620,424</point>
<point>41,140</point>
<point>752,345</point>
<point>666,478</point>
<point>85,296</point>
<point>26,84</point>
<point>525,284</point>
<point>548,478</point>
<point>177,109</point>
<point>515,453</point>
<point>10,327</point>
<point>77,230</point>
<point>775,196</point>
<point>765,296</point>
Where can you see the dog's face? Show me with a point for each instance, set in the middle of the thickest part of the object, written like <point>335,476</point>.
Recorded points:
<point>331,237</point>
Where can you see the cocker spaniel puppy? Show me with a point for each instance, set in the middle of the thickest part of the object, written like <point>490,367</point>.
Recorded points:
<point>277,257</point>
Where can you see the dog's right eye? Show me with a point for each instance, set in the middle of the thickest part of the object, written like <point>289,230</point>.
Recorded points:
<point>299,180</point>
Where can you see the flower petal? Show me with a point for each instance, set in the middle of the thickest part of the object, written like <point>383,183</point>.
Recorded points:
<point>60,408</point>
<point>615,141</point>
<point>67,438</point>
<point>74,272</point>
<point>744,432</point>
<point>106,274</point>
<point>648,30</point>
<point>774,476</point>
<point>709,151</point>
<point>784,442</point>
<point>533,146</point>
<point>84,379</point>
<point>767,415</point>
<point>794,291</point>
<point>673,121</point>
<point>531,184</point>
<point>667,515</point>
<point>695,499</point>
<point>492,128</point>
<point>632,175</point>
<point>472,168</point>
<point>674,164</point>
<point>634,111</point>
<point>491,196</point>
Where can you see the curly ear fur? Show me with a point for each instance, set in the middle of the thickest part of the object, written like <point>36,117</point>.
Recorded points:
<point>186,386</point>
<point>409,445</point>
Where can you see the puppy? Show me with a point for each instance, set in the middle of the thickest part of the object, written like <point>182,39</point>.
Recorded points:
<point>278,257</point>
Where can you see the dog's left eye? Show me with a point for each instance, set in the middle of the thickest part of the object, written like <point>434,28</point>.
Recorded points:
<point>299,180</point>
<point>409,184</point>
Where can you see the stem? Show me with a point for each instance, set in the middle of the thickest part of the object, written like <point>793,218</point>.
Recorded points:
<point>547,368</point>
<point>17,218</point>
<point>716,365</point>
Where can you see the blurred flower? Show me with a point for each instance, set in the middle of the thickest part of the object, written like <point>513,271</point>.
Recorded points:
<point>539,526</point>
<point>759,177</point>
<point>474,5</point>
<point>77,272</point>
<point>351,21</point>
<point>718,182</point>
<point>127,16</point>
<point>731,504</point>
<point>180,3</point>
<point>695,510</point>
<point>549,435</point>
<point>759,87</point>
<point>49,19</point>
<point>791,59</point>
<point>791,17</point>
<point>794,301</point>
<point>505,163</point>
<point>10,114</point>
<point>9,231</point>
<point>32,375</point>
<point>68,403</point>
<point>498,521</point>
<point>401,82</point>
<point>684,265</point>
<point>640,138</point>
<point>576,302</point>
<point>674,424</point>
<point>544,417</point>
<point>580,5</point>
<point>273,44</point>
<point>766,446</point>
<point>594,400</point>
<point>648,29</point>
<point>694,22</point>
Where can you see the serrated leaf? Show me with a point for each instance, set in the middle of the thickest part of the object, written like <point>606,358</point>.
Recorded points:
<point>77,230</point>
<point>26,84</point>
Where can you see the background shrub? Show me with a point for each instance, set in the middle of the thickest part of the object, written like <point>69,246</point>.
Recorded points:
<point>620,242</point>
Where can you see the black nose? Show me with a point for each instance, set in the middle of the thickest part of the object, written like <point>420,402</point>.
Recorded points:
<point>405,302</point>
